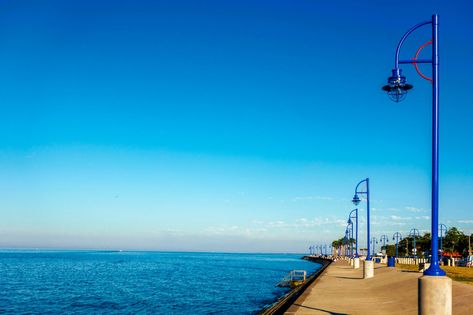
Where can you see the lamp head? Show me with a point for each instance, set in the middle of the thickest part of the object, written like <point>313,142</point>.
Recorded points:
<point>397,87</point>
<point>356,200</point>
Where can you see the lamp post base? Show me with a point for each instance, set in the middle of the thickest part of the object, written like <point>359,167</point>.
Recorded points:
<point>356,263</point>
<point>368,269</point>
<point>435,295</point>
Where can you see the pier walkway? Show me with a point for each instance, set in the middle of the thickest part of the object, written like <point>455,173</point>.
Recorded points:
<point>342,290</point>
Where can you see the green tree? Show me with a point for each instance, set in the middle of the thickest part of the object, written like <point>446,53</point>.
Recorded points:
<point>390,250</point>
<point>452,240</point>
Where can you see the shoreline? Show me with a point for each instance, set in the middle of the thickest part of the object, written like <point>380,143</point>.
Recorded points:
<point>284,302</point>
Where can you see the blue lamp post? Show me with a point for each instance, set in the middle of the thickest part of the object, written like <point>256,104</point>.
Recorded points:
<point>356,201</point>
<point>443,232</point>
<point>374,241</point>
<point>397,236</point>
<point>345,241</point>
<point>354,215</point>
<point>384,238</point>
<point>397,89</point>
<point>350,239</point>
<point>414,233</point>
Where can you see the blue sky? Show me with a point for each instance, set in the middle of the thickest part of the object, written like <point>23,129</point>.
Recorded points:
<point>239,126</point>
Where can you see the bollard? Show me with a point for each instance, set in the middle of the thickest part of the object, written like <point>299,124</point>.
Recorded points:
<point>368,269</point>
<point>435,295</point>
<point>356,263</point>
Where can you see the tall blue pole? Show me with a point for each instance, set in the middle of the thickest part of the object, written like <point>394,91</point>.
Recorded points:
<point>346,241</point>
<point>374,241</point>
<point>383,239</point>
<point>397,236</point>
<point>356,200</point>
<point>351,241</point>
<point>434,269</point>
<point>397,87</point>
<point>442,230</point>
<point>368,213</point>
<point>397,245</point>
<point>356,239</point>
<point>414,233</point>
<point>356,234</point>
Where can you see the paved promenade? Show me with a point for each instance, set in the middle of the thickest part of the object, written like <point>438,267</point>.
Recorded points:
<point>342,290</point>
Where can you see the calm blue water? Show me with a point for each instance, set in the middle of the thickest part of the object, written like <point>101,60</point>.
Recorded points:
<point>141,282</point>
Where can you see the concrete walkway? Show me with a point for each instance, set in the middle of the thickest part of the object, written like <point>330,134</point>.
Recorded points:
<point>342,290</point>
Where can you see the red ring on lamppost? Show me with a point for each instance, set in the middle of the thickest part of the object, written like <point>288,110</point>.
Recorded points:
<point>415,63</point>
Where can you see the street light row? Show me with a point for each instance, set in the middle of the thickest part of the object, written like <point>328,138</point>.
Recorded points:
<point>397,237</point>
<point>322,250</point>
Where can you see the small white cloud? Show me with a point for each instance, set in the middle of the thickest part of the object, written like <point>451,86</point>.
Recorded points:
<point>399,218</point>
<point>423,217</point>
<point>465,221</point>
<point>415,210</point>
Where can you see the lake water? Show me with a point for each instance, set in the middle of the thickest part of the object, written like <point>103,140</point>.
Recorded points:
<point>85,282</point>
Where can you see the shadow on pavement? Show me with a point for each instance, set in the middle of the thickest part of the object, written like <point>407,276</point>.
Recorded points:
<point>319,309</point>
<point>351,278</point>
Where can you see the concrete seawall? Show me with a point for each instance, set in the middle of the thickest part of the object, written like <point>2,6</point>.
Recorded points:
<point>283,304</point>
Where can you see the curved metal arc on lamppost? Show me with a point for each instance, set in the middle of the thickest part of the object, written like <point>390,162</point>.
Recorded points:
<point>397,236</point>
<point>403,38</point>
<point>397,89</point>
<point>356,201</point>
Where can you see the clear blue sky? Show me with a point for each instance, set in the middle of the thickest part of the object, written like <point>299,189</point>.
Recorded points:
<point>226,126</point>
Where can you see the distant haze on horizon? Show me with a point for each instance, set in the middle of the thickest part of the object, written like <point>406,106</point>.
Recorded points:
<point>233,127</point>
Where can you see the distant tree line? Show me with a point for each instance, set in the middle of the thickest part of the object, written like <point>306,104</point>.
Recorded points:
<point>454,242</point>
